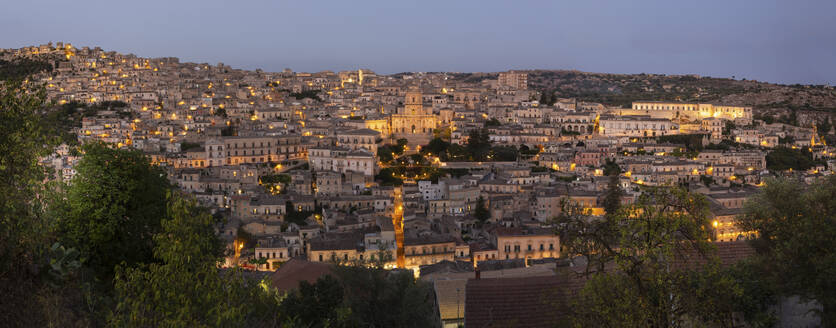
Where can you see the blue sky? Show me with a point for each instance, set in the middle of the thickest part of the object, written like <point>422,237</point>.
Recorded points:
<point>775,41</point>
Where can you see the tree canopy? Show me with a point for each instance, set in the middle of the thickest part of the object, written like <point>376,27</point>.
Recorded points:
<point>23,241</point>
<point>796,236</point>
<point>112,208</point>
<point>184,287</point>
<point>631,254</point>
<point>784,158</point>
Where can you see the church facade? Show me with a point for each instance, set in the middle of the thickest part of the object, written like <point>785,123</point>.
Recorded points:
<point>413,121</point>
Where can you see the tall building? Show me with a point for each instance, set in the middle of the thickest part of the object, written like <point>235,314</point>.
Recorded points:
<point>515,80</point>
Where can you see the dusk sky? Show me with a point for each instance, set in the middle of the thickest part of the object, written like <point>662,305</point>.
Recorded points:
<point>775,41</point>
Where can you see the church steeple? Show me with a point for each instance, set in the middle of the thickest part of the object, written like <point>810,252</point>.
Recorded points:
<point>413,102</point>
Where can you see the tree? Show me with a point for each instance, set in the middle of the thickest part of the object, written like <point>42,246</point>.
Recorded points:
<point>783,158</point>
<point>297,216</point>
<point>611,168</point>
<point>478,144</point>
<point>630,254</point>
<point>728,128</point>
<point>19,68</point>
<point>547,97</point>
<point>381,298</point>
<point>503,153</point>
<point>24,237</point>
<point>796,235</point>
<point>113,207</point>
<point>481,212</point>
<point>387,177</point>
<point>436,146</point>
<point>315,305</point>
<point>442,133</point>
<point>385,154</point>
<point>184,288</point>
<point>612,198</point>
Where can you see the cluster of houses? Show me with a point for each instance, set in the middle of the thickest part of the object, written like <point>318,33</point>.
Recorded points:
<point>291,158</point>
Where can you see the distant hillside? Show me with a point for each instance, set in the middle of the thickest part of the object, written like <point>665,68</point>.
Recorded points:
<point>20,68</point>
<point>622,89</point>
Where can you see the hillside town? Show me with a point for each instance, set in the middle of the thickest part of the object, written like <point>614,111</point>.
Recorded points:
<point>429,172</point>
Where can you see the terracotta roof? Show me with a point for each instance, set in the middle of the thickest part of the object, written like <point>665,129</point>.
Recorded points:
<point>291,273</point>
<point>519,302</point>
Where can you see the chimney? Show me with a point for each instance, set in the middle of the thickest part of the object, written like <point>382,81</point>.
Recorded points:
<point>478,273</point>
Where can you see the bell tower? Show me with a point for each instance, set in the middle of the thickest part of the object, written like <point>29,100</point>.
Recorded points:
<point>414,104</point>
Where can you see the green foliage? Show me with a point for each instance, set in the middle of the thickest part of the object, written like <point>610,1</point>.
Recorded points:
<point>768,119</point>
<point>611,167</point>
<point>565,132</point>
<point>436,146</point>
<point>541,169</point>
<point>796,235</point>
<point>641,241</point>
<point>275,178</point>
<point>62,262</point>
<point>185,288</point>
<point>400,145</point>
<point>693,142</point>
<point>503,154</point>
<point>312,94</point>
<point>566,178</point>
<point>387,153</point>
<point>316,305</point>
<point>380,298</point>
<point>24,236</point>
<point>791,118</point>
<point>707,180</point>
<point>113,206</point>
<point>292,214</point>
<point>221,112</point>
<point>481,212</point>
<point>384,153</point>
<point>757,294</point>
<point>258,261</point>
<point>361,296</point>
<point>229,131</point>
<point>783,158</point>
<point>442,133</point>
<point>60,120</point>
<point>185,145</point>
<point>248,240</point>
<point>524,150</point>
<point>492,122</point>
<point>788,140</point>
<point>728,128</point>
<point>612,198</point>
<point>388,177</point>
<point>547,97</point>
<point>20,68</point>
<point>478,144</point>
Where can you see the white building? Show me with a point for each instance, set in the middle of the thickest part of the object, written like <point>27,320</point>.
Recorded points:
<point>636,126</point>
<point>338,159</point>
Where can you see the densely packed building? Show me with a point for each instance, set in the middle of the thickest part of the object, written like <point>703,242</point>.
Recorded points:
<point>295,159</point>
